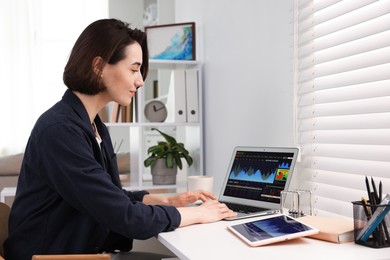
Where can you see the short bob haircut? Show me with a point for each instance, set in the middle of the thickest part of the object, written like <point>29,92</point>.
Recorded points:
<point>106,38</point>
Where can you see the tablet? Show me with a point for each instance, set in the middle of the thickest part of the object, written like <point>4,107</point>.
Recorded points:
<point>270,230</point>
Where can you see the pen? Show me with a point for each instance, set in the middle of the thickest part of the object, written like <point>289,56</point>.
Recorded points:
<point>366,209</point>
<point>372,203</point>
<point>368,189</point>
<point>377,235</point>
<point>380,235</point>
<point>383,235</point>
<point>370,197</point>
<point>376,197</point>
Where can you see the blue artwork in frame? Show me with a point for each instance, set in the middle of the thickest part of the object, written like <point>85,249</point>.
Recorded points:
<point>172,41</point>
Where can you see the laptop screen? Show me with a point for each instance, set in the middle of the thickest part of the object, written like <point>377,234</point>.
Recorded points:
<point>259,175</point>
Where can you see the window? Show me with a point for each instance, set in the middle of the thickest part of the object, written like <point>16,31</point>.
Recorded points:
<point>342,69</point>
<point>37,37</point>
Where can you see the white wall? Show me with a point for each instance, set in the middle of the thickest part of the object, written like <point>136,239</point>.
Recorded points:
<point>246,48</point>
<point>248,94</point>
<point>127,10</point>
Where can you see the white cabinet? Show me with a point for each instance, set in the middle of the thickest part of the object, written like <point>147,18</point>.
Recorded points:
<point>165,80</point>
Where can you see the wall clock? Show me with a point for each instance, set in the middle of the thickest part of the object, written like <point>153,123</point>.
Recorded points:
<point>155,111</point>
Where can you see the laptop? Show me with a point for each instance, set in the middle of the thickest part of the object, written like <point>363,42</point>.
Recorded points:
<point>255,178</point>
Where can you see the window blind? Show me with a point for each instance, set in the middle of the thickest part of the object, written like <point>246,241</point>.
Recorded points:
<point>342,83</point>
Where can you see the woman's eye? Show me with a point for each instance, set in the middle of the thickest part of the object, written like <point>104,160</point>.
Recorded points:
<point>135,71</point>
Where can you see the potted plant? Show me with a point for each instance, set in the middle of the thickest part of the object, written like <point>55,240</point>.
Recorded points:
<point>164,159</point>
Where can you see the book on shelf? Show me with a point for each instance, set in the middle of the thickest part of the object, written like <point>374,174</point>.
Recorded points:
<point>127,113</point>
<point>179,86</point>
<point>336,230</point>
<point>115,112</point>
<point>124,114</point>
<point>192,95</point>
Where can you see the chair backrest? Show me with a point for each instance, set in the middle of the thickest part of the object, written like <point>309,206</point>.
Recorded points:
<point>4,215</point>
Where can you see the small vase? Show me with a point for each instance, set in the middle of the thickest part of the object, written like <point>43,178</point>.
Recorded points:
<point>161,175</point>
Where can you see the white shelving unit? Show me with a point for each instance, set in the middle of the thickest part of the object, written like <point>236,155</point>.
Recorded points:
<point>135,138</point>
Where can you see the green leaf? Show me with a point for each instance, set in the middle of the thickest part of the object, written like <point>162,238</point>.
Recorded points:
<point>169,160</point>
<point>170,150</point>
<point>169,138</point>
<point>149,161</point>
<point>179,163</point>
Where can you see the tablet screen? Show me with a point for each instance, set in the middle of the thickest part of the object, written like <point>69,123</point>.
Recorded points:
<point>271,230</point>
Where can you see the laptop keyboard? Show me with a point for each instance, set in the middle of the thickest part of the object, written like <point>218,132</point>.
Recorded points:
<point>243,208</point>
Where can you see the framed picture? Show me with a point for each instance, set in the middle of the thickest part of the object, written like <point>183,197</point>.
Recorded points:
<point>171,41</point>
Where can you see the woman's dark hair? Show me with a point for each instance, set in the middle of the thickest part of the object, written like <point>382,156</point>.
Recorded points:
<point>106,38</point>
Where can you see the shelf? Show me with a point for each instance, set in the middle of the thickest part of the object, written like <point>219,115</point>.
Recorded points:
<point>150,124</point>
<point>134,138</point>
<point>148,185</point>
<point>172,64</point>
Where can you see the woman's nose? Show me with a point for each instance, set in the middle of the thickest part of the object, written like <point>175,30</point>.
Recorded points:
<point>139,82</point>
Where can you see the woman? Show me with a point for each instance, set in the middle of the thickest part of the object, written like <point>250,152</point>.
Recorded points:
<point>69,198</point>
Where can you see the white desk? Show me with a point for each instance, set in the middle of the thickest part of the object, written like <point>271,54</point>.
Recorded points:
<point>214,241</point>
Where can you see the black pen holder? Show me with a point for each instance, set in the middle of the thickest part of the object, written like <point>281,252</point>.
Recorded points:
<point>379,238</point>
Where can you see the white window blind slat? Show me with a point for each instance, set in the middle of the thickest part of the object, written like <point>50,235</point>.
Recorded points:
<point>326,13</point>
<point>341,194</point>
<point>350,64</point>
<point>350,122</point>
<point>330,214</point>
<point>307,61</point>
<point>307,33</point>
<point>362,91</point>
<point>319,5</point>
<point>304,3</point>
<point>308,46</point>
<point>355,136</point>
<point>342,80</point>
<point>325,206</point>
<point>350,78</point>
<point>360,31</point>
<point>351,18</point>
<point>361,168</point>
<point>355,62</point>
<point>306,10</point>
<point>366,44</point>
<point>369,43</point>
<point>361,152</point>
<point>342,180</point>
<point>355,107</point>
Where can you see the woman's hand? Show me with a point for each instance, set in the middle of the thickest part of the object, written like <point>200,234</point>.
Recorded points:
<point>209,211</point>
<point>179,200</point>
<point>189,197</point>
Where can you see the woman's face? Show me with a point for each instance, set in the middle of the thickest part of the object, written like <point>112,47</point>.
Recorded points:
<point>124,78</point>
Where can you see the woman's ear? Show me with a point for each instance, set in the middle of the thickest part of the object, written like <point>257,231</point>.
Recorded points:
<point>97,66</point>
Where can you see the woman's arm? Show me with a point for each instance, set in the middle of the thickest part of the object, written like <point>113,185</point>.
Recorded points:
<point>178,200</point>
<point>210,211</point>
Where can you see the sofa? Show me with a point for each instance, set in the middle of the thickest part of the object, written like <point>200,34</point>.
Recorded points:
<point>9,170</point>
